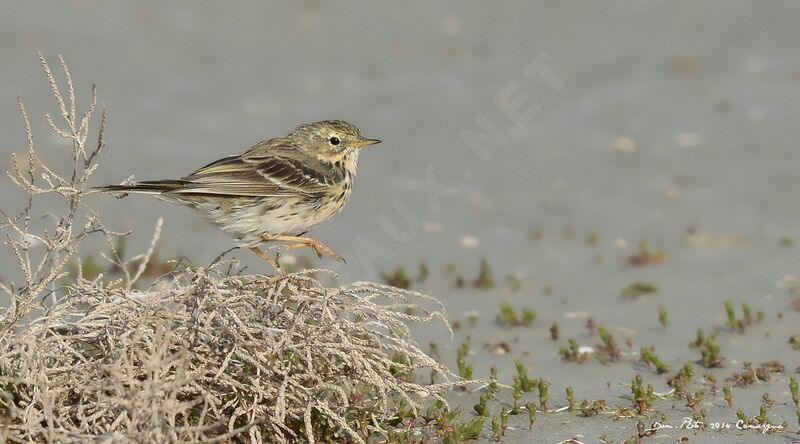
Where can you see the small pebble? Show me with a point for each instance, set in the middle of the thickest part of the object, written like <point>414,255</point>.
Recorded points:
<point>469,242</point>
<point>689,140</point>
<point>623,144</point>
<point>673,192</point>
<point>451,25</point>
<point>685,64</point>
<point>432,227</point>
<point>576,315</point>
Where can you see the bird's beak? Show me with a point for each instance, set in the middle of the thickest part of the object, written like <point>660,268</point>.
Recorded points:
<point>365,142</point>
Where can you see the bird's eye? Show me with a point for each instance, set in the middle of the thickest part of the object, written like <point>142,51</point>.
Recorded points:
<point>334,141</point>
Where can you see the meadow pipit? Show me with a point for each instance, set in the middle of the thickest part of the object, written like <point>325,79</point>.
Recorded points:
<point>277,190</point>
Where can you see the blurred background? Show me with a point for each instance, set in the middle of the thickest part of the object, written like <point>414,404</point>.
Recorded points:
<point>669,114</point>
<point>553,139</point>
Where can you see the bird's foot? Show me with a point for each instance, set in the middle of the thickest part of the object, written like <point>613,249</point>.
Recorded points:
<point>301,242</point>
<point>318,247</point>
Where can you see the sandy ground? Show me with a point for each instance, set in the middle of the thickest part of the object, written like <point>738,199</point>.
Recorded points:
<point>551,138</point>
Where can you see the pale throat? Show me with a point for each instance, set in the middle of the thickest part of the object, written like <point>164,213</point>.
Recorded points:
<point>348,161</point>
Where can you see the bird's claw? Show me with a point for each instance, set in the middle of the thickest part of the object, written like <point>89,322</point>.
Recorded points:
<point>320,248</point>
<point>316,246</point>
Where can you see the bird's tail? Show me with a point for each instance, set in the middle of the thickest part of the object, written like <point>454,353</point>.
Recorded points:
<point>146,187</point>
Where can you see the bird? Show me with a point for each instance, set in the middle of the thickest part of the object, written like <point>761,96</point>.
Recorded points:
<point>277,190</point>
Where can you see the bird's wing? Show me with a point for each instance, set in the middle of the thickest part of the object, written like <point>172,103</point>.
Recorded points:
<point>218,165</point>
<point>280,171</point>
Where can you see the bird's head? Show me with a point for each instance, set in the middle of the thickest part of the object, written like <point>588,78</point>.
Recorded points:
<point>331,140</point>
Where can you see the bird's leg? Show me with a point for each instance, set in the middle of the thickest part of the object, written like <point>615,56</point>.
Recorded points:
<point>317,246</point>
<point>267,259</point>
<point>301,242</point>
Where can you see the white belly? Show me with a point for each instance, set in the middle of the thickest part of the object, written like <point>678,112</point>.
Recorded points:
<point>293,218</point>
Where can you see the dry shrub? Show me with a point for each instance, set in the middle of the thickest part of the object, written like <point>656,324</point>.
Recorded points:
<point>214,358</point>
<point>201,354</point>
